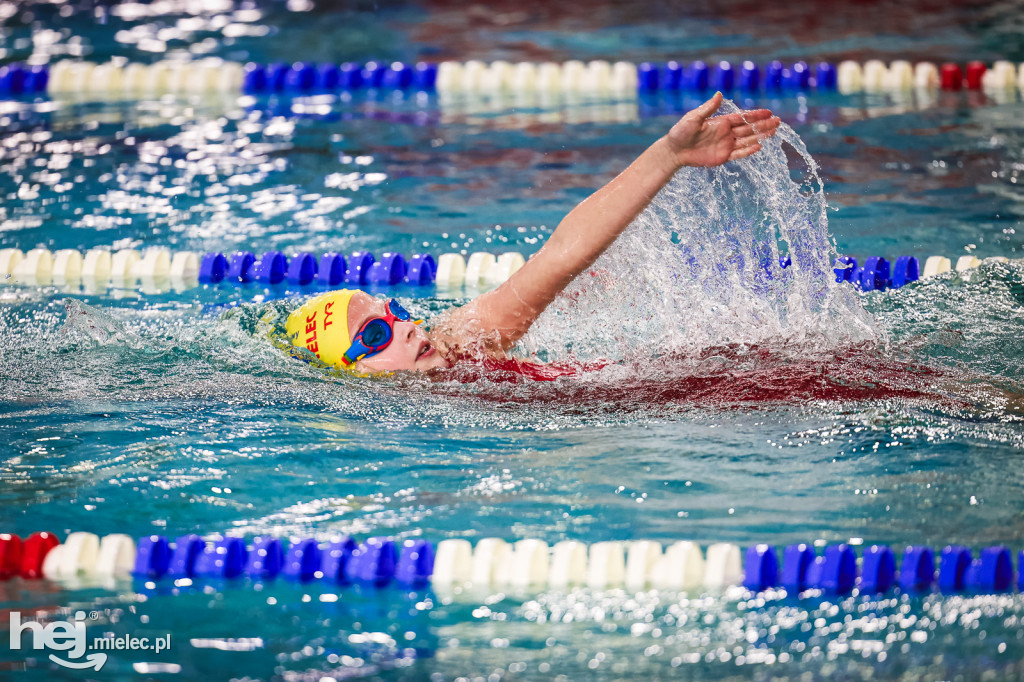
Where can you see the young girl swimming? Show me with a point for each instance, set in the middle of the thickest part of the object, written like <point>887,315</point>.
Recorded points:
<point>352,329</point>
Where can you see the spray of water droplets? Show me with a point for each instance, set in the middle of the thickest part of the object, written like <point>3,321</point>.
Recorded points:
<point>699,269</point>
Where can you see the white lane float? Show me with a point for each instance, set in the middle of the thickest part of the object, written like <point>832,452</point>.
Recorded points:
<point>116,556</point>
<point>850,77</point>
<point>9,259</point>
<point>935,265</point>
<point>122,265</point>
<point>451,271</point>
<point>453,563</point>
<point>67,267</point>
<point>926,76</point>
<point>36,268</point>
<point>724,566</point>
<point>606,565</point>
<point>477,267</point>
<point>568,564</point>
<point>488,556</point>
<point>680,568</point>
<point>643,555</point>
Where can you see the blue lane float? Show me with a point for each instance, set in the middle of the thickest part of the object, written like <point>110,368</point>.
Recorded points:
<point>647,75</point>
<point>224,558</point>
<point>152,557</point>
<point>796,561</point>
<point>271,267</point>
<point>240,267</point>
<point>415,563</point>
<point>835,571</point>
<point>422,270</point>
<point>671,76</point>
<point>328,76</point>
<point>425,76</point>
<point>750,77</point>
<point>373,74</point>
<point>350,76</point>
<point>335,559</point>
<point>906,270</point>
<point>266,559</point>
<point>302,77</point>
<point>302,269</point>
<point>876,274</point>
<point>953,568</point>
<point>303,560</point>
<point>878,570</point>
<point>761,568</point>
<point>359,264</point>
<point>12,79</point>
<point>917,572</point>
<point>696,76</point>
<point>373,562</point>
<point>825,76</point>
<point>183,559</point>
<point>773,75</point>
<point>212,268</point>
<point>390,269</point>
<point>277,77</point>
<point>330,270</point>
<point>796,77</point>
<point>725,77</point>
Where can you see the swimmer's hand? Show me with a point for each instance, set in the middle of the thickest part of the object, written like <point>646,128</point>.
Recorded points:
<point>699,140</point>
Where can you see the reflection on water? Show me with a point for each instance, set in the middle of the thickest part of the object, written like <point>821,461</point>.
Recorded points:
<point>892,417</point>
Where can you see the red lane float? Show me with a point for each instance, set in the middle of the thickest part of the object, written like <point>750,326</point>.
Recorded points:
<point>952,77</point>
<point>10,555</point>
<point>975,72</point>
<point>34,552</point>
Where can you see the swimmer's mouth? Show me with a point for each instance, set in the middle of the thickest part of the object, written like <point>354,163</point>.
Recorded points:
<point>426,350</point>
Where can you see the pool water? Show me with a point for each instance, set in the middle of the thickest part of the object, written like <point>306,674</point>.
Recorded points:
<point>166,413</point>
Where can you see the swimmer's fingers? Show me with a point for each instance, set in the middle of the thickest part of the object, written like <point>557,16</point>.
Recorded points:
<point>707,109</point>
<point>764,124</point>
<point>740,118</point>
<point>753,136</point>
<point>750,115</point>
<point>744,152</point>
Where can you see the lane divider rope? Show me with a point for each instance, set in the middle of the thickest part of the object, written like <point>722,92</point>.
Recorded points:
<point>528,564</point>
<point>158,267</point>
<point>596,77</point>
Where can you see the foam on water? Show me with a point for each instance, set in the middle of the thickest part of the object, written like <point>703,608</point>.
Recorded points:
<point>699,268</point>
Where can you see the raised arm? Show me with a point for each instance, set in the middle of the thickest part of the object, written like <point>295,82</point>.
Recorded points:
<point>500,317</point>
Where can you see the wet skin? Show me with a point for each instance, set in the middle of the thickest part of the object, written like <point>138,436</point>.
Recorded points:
<point>410,348</point>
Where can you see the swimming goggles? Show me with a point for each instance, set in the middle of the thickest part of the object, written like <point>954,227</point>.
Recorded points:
<point>377,333</point>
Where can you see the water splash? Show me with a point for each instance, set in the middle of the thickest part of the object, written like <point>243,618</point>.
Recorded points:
<point>699,268</point>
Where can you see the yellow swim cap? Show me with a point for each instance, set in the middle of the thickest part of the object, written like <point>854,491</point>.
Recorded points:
<point>321,326</point>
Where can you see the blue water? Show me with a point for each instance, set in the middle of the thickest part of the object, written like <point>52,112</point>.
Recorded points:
<point>165,413</point>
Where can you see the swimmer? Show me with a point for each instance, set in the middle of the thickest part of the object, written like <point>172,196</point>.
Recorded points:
<point>355,330</point>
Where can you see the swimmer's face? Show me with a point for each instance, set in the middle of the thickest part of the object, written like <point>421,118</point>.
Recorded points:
<point>410,349</point>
